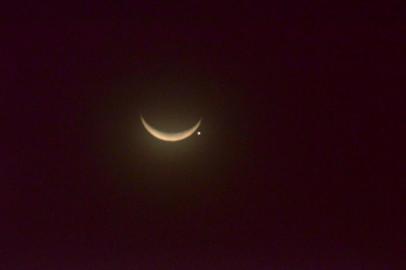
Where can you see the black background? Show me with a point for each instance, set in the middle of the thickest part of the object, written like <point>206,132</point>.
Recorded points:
<point>298,165</point>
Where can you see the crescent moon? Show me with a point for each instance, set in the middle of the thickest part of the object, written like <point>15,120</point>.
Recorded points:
<point>170,136</point>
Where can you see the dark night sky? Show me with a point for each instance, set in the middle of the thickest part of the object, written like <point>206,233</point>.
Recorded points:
<point>298,165</point>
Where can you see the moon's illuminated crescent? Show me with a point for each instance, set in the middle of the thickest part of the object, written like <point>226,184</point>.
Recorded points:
<point>170,136</point>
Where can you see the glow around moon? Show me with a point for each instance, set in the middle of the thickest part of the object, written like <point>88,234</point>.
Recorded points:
<point>170,136</point>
